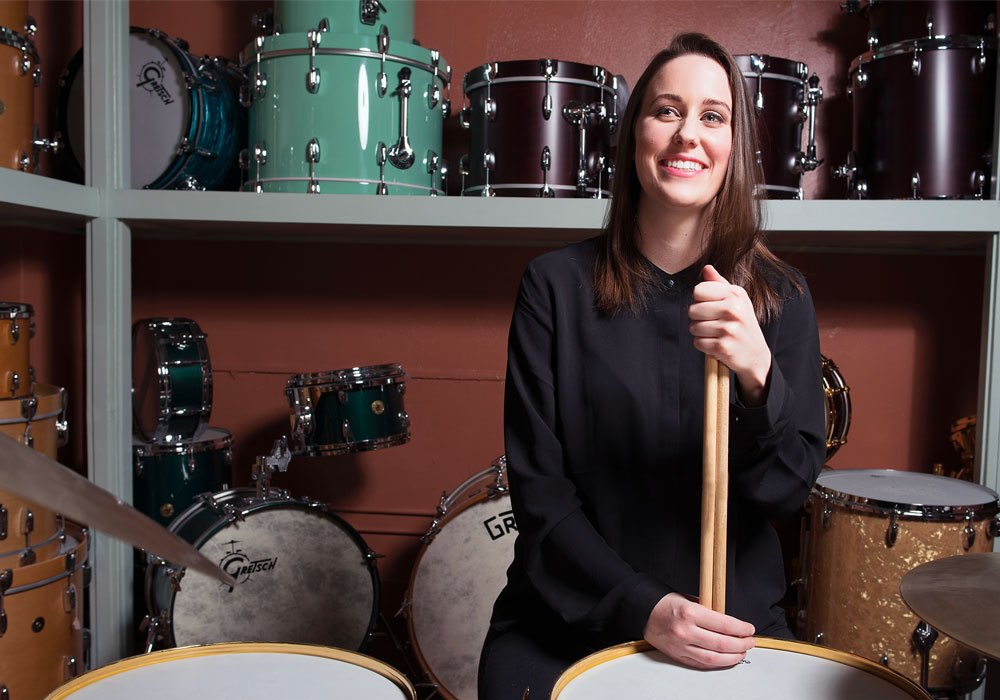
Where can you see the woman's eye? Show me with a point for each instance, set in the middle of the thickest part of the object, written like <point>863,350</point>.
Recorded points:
<point>713,117</point>
<point>666,111</point>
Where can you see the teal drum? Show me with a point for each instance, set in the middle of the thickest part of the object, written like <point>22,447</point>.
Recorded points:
<point>344,114</point>
<point>171,379</point>
<point>347,17</point>
<point>169,477</point>
<point>348,410</point>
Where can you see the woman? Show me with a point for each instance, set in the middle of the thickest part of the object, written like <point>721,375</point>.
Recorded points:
<point>604,397</point>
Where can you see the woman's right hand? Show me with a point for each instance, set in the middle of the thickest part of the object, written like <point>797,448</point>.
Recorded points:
<point>692,635</point>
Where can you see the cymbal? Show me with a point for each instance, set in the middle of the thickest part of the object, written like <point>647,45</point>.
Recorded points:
<point>958,597</point>
<point>36,478</point>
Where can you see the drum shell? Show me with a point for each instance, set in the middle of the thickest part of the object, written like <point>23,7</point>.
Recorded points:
<point>890,22</point>
<point>43,646</point>
<point>782,88</point>
<point>17,328</point>
<point>346,116</point>
<point>938,124</point>
<point>17,119</point>
<point>14,15</point>
<point>519,131</point>
<point>169,477</point>
<point>853,583</point>
<point>345,18</point>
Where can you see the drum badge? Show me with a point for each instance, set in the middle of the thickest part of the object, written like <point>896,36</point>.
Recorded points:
<point>237,564</point>
<point>500,525</point>
<point>150,78</point>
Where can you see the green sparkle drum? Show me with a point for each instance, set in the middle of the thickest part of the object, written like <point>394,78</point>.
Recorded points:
<point>168,477</point>
<point>347,16</point>
<point>344,114</point>
<point>171,379</point>
<point>348,410</point>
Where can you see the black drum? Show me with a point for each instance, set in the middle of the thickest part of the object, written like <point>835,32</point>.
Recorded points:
<point>923,119</point>
<point>784,98</point>
<point>540,129</point>
<point>895,21</point>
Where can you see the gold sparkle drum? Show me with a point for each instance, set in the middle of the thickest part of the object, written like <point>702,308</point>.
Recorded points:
<point>17,328</point>
<point>774,669</point>
<point>457,577</point>
<point>41,617</point>
<point>868,527</point>
<point>300,671</point>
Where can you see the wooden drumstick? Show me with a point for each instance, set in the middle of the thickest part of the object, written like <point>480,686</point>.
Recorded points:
<point>721,491</point>
<point>715,487</point>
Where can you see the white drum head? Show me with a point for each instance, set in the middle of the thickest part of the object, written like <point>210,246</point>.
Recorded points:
<point>240,671</point>
<point>766,674</point>
<point>905,488</point>
<point>302,578</point>
<point>456,581</point>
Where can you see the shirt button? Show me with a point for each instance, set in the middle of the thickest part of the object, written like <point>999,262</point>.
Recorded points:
<point>670,283</point>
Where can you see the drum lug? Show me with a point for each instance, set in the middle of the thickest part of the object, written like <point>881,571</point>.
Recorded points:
<point>28,408</point>
<point>873,39</point>
<point>546,163</point>
<point>818,639</point>
<point>312,157</point>
<point>992,528</point>
<point>884,660</point>
<point>970,532</point>
<point>27,521</point>
<point>433,95</point>
<point>979,62</point>
<point>929,23</point>
<point>444,176</point>
<point>3,522</point>
<point>6,576</point>
<point>463,171</point>
<point>383,48</point>
<point>758,64</point>
<point>4,694</point>
<point>69,598</point>
<point>313,77</point>
<point>381,155</point>
<point>15,383</point>
<point>915,63</point>
<point>979,183</point>
<point>924,637</point>
<point>345,431</point>
<point>15,329</point>
<point>433,165</point>
<point>490,107</point>
<point>369,10</point>
<point>861,78</point>
<point>27,558</point>
<point>24,162</point>
<point>826,514</point>
<point>404,419</point>
<point>401,154</point>
<point>69,668</point>
<point>915,185</point>
<point>892,532</point>
<point>28,439</point>
<point>155,629</point>
<point>175,576</point>
<point>549,68</point>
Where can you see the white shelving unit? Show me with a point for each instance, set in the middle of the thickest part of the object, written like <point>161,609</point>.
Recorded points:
<point>110,215</point>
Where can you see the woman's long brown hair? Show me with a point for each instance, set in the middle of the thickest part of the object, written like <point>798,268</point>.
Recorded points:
<point>736,247</point>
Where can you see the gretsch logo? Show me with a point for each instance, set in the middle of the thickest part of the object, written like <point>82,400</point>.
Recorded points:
<point>241,567</point>
<point>500,524</point>
<point>151,80</point>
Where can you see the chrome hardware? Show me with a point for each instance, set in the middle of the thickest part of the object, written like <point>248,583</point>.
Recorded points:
<point>463,171</point>
<point>856,187</point>
<point>915,185</point>
<point>244,159</point>
<point>433,95</point>
<point>27,558</point>
<point>924,637</point>
<point>463,117</point>
<point>489,160</point>
<point>345,430</point>
<point>444,176</point>
<point>757,63</point>
<point>884,660</point>
<point>15,330</point>
<point>313,77</point>
<point>369,10</point>
<point>818,639</point>
<point>259,159</point>
<point>186,148</point>
<point>4,694</point>
<point>872,39</point>
<point>3,522</point>
<point>29,407</point>
<point>546,163</point>
<point>929,23</point>
<point>69,598</point>
<point>265,466</point>
<point>24,162</point>
<point>30,26</point>
<point>69,670</point>
<point>814,95</point>
<point>979,62</point>
<point>383,48</point>
<point>915,64</point>
<point>380,158</point>
<point>15,383</point>
<point>970,532</point>
<point>490,107</point>
<point>613,117</point>
<point>979,183</point>
<point>312,157</point>
<point>602,163</point>
<point>401,155</point>
<point>28,523</point>
<point>259,78</point>
<point>892,532</point>
<point>577,113</point>
<point>825,515</point>
<point>302,426</point>
<point>861,78</point>
<point>549,69</point>
<point>433,165</point>
<point>263,22</point>
<point>6,576</point>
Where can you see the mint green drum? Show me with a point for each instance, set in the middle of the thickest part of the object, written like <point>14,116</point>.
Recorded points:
<point>347,16</point>
<point>345,114</point>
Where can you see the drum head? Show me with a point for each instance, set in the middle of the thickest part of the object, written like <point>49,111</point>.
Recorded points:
<point>905,488</point>
<point>303,575</point>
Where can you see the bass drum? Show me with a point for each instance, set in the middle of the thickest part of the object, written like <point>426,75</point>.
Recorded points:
<point>773,669</point>
<point>304,575</point>
<point>458,574</point>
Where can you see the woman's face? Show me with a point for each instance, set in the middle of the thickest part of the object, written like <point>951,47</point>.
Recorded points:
<point>683,133</point>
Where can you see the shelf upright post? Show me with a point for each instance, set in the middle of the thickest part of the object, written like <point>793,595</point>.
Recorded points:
<point>108,308</point>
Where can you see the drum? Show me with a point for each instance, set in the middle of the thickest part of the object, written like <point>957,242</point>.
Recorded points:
<point>784,98</point>
<point>348,410</point>
<point>775,668</point>
<point>20,73</point>
<point>867,529</point>
<point>304,575</point>
<point>345,113</point>
<point>923,119</point>
<point>891,22</point>
<point>456,578</point>
<point>838,407</point>
<point>350,17</point>
<point>168,476</point>
<point>186,120</point>
<point>540,129</point>
<point>298,671</point>
<point>17,328</point>
<point>43,640</point>
<point>171,379</point>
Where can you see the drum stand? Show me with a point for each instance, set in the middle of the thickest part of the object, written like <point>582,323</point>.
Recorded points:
<point>265,466</point>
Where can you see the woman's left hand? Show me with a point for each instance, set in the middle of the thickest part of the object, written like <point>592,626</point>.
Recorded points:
<point>724,326</point>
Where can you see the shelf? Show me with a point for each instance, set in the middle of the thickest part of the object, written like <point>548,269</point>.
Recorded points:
<point>35,201</point>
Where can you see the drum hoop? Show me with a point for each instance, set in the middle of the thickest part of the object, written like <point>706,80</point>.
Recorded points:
<point>906,511</point>
<point>280,53</point>
<point>19,41</point>
<point>59,533</point>
<point>13,310</point>
<point>186,446</point>
<point>783,188</point>
<point>534,186</point>
<point>774,76</point>
<point>81,560</point>
<point>539,79</point>
<point>363,377</point>
<point>364,181</point>
<point>34,419</point>
<point>356,446</point>
<point>187,652</point>
<point>857,662</point>
<point>957,41</point>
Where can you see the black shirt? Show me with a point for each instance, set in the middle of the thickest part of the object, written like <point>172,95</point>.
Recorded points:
<point>603,435</point>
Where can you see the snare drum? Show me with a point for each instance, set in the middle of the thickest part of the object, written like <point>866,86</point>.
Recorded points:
<point>784,98</point>
<point>346,114</point>
<point>838,407</point>
<point>923,119</point>
<point>774,668</point>
<point>298,671</point>
<point>43,644</point>
<point>350,17</point>
<point>348,410</point>
<point>17,328</point>
<point>20,73</point>
<point>304,575</point>
<point>168,476</point>
<point>456,578</point>
<point>892,22</point>
<point>867,529</point>
<point>539,129</point>
<point>171,379</point>
<point>186,119</point>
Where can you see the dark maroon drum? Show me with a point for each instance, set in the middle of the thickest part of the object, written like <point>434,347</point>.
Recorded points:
<point>539,128</point>
<point>784,100</point>
<point>892,21</point>
<point>923,119</point>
